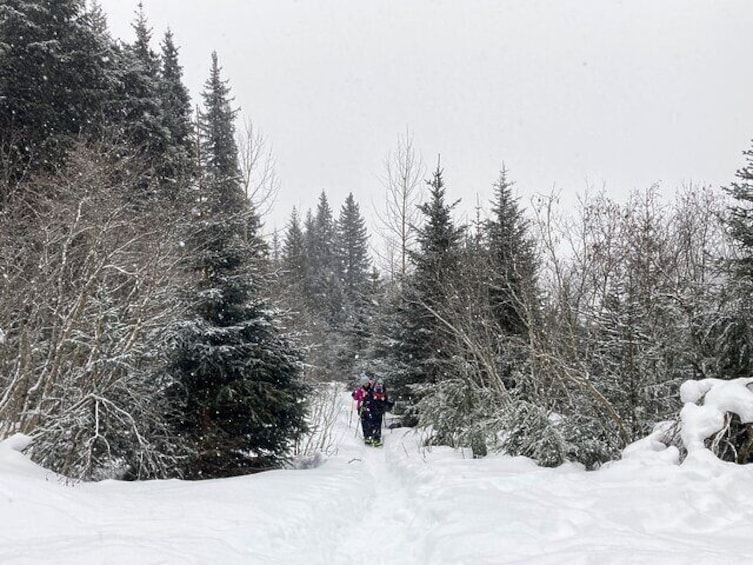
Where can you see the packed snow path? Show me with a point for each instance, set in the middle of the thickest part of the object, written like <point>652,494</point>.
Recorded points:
<point>395,505</point>
<point>386,508</point>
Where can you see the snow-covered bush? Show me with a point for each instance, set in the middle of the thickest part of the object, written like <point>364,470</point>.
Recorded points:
<point>532,434</point>
<point>589,440</point>
<point>460,415</point>
<point>718,416</point>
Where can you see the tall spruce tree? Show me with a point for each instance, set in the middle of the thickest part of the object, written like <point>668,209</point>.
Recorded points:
<point>309,243</point>
<point>142,46</point>
<point>178,161</point>
<point>352,252</point>
<point>512,287</point>
<point>294,252</point>
<point>352,248</point>
<point>420,351</point>
<point>220,171</point>
<point>324,288</point>
<point>239,377</point>
<point>141,119</point>
<point>740,218</point>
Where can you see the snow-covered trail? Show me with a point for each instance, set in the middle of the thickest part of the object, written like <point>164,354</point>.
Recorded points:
<point>384,528</point>
<point>395,505</point>
<point>435,507</point>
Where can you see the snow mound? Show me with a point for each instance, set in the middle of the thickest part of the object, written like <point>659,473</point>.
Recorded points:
<point>653,448</point>
<point>17,442</point>
<point>13,461</point>
<point>718,397</point>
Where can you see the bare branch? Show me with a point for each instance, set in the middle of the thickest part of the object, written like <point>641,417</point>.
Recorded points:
<point>258,173</point>
<point>403,182</point>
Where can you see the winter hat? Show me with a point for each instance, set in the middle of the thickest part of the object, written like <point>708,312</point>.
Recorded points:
<point>364,379</point>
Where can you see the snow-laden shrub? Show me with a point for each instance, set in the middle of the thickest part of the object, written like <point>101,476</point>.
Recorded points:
<point>589,440</point>
<point>460,415</point>
<point>718,416</point>
<point>533,434</point>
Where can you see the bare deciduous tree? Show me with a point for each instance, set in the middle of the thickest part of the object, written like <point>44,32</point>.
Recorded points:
<point>403,181</point>
<point>629,288</point>
<point>88,286</point>
<point>258,172</point>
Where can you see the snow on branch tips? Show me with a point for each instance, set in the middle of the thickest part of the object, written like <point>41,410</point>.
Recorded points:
<point>717,416</point>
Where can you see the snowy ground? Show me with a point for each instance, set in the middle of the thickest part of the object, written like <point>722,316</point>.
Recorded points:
<point>394,505</point>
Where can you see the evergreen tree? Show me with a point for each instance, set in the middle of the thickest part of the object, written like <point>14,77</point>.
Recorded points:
<point>276,249</point>
<point>294,252</point>
<point>178,161</point>
<point>324,288</point>
<point>352,253</point>
<point>638,365</point>
<point>439,240</point>
<point>324,236</point>
<point>138,114</point>
<point>740,219</point>
<point>352,249</point>
<point>142,46</point>
<point>239,376</point>
<point>421,351</point>
<point>220,171</point>
<point>512,261</point>
<point>734,327</point>
<point>309,243</point>
<point>53,81</point>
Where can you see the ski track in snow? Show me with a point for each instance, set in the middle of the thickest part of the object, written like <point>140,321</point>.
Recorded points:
<point>384,527</point>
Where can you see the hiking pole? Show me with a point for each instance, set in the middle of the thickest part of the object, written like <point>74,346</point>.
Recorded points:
<point>350,418</point>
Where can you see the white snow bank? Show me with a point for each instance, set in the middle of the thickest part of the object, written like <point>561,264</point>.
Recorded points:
<point>653,448</point>
<point>17,442</point>
<point>12,460</point>
<point>702,421</point>
<point>397,505</point>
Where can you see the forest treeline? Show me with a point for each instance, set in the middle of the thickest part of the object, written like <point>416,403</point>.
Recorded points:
<point>149,328</point>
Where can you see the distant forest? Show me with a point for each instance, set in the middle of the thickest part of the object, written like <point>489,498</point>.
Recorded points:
<point>149,328</point>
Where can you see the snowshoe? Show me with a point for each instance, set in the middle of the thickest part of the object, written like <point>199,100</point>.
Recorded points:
<point>377,442</point>
<point>368,441</point>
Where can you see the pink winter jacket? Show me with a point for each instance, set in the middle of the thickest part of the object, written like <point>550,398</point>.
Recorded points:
<point>358,395</point>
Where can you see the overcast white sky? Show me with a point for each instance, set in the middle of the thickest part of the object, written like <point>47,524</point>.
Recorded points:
<point>567,93</point>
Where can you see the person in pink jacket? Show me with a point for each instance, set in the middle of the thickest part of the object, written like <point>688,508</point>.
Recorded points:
<point>371,402</point>
<point>360,393</point>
